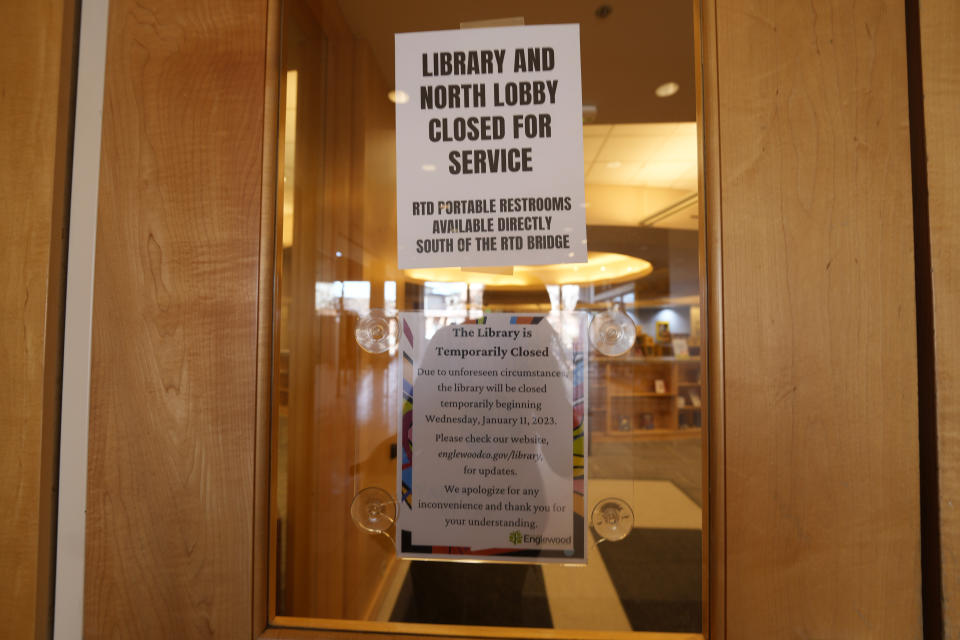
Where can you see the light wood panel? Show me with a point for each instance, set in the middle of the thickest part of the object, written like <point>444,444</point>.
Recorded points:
<point>710,264</point>
<point>299,628</point>
<point>36,78</point>
<point>819,345</point>
<point>940,48</point>
<point>171,458</point>
<point>267,334</point>
<point>341,415</point>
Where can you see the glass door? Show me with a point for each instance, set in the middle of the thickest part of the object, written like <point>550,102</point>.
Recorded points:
<point>626,324</point>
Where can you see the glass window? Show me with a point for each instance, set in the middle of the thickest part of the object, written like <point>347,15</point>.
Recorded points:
<point>337,406</point>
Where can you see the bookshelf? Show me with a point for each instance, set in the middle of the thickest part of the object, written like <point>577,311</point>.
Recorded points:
<point>634,397</point>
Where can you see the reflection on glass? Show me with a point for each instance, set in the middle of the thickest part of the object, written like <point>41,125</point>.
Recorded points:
<point>289,153</point>
<point>356,296</point>
<point>475,291</point>
<point>390,297</point>
<point>569,295</point>
<point>337,406</point>
<point>327,297</point>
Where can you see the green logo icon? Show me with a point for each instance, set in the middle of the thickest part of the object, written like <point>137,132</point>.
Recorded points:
<point>516,537</point>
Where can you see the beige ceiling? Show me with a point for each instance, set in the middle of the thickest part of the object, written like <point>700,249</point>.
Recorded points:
<point>660,155</point>
<point>636,173</point>
<point>640,45</point>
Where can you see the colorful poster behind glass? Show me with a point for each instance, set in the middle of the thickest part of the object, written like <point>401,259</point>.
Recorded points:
<point>490,147</point>
<point>492,439</point>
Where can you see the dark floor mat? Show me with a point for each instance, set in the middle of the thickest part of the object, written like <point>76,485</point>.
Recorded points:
<point>657,573</point>
<point>473,594</point>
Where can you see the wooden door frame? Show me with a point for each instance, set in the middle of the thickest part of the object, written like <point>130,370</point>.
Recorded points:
<point>38,80</point>
<point>268,626</point>
<point>711,279</point>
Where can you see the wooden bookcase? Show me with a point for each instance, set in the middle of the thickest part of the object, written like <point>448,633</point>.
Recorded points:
<point>626,403</point>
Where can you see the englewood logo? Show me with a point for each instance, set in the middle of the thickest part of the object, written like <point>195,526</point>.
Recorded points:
<point>516,537</point>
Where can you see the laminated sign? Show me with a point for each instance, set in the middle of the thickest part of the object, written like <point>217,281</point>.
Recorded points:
<point>490,147</point>
<point>492,439</point>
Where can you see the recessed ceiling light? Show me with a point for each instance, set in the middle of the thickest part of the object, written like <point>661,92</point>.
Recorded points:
<point>339,254</point>
<point>398,97</point>
<point>429,167</point>
<point>601,267</point>
<point>667,89</point>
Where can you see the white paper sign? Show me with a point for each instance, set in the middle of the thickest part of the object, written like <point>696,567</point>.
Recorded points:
<point>680,348</point>
<point>490,147</point>
<point>492,440</point>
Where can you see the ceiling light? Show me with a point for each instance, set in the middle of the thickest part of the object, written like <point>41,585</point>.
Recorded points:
<point>339,254</point>
<point>614,165</point>
<point>600,267</point>
<point>398,97</point>
<point>667,89</point>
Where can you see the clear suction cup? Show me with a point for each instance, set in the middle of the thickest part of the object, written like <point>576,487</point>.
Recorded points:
<point>613,332</point>
<point>612,519</point>
<point>377,332</point>
<point>373,510</point>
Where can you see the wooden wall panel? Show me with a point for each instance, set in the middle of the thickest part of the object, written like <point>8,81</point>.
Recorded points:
<point>939,25</point>
<point>173,400</point>
<point>340,397</point>
<point>819,343</point>
<point>36,75</point>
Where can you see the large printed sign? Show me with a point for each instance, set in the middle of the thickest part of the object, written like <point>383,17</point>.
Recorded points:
<point>490,147</point>
<point>492,440</point>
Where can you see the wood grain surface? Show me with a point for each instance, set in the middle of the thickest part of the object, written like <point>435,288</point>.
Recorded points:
<point>36,77</point>
<point>939,25</point>
<point>711,283</point>
<point>341,414</point>
<point>292,628</point>
<point>270,242</point>
<point>819,344</point>
<point>172,426</point>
